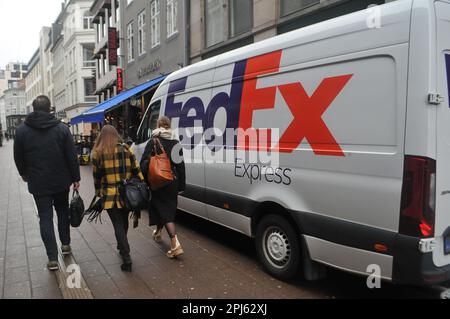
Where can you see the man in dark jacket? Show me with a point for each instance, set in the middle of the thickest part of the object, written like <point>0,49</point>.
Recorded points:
<point>46,159</point>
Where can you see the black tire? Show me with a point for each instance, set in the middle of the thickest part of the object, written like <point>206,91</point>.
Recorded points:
<point>278,247</point>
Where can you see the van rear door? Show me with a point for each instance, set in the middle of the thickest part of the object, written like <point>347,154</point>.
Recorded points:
<point>441,255</point>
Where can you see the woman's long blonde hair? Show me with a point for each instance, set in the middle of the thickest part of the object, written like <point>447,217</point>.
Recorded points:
<point>107,140</point>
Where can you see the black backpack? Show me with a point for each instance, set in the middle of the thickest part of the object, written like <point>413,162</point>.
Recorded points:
<point>76,209</point>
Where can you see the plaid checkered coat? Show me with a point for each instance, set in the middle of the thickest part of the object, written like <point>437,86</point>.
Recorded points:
<point>108,172</point>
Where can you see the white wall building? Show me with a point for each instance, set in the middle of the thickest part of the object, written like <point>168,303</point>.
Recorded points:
<point>45,43</point>
<point>2,114</point>
<point>59,81</point>
<point>34,84</point>
<point>15,107</point>
<point>13,72</point>
<point>78,46</point>
<point>11,77</point>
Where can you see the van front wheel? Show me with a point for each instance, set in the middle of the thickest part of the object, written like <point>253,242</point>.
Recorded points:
<point>278,247</point>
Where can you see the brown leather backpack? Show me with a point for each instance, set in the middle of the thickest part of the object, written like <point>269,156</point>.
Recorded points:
<point>160,170</point>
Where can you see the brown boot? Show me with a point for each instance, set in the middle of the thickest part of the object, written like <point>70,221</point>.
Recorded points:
<point>176,249</point>
<point>157,235</point>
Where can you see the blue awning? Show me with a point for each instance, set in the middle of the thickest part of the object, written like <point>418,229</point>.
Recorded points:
<point>76,120</point>
<point>97,113</point>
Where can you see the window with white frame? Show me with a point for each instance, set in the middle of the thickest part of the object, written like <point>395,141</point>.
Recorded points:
<point>130,41</point>
<point>141,33</point>
<point>87,23</point>
<point>171,17</point>
<point>154,23</point>
<point>215,22</point>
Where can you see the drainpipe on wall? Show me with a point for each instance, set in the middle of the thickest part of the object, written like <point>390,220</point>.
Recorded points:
<point>187,34</point>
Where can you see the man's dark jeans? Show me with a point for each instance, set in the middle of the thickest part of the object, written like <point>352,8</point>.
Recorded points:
<point>45,210</point>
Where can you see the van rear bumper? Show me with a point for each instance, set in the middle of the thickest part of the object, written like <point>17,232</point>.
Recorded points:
<point>412,267</point>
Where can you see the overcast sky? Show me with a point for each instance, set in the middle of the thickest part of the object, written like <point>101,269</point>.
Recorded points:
<point>20,23</point>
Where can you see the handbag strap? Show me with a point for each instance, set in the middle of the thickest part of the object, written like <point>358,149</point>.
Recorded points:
<point>92,202</point>
<point>161,147</point>
<point>123,163</point>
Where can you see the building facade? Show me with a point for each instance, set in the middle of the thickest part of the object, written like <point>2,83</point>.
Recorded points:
<point>218,26</point>
<point>45,42</point>
<point>57,69</point>
<point>13,72</point>
<point>15,107</point>
<point>78,46</point>
<point>34,84</point>
<point>2,114</point>
<point>155,39</point>
<point>107,21</point>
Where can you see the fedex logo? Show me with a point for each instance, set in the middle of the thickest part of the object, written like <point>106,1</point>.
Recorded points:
<point>246,97</point>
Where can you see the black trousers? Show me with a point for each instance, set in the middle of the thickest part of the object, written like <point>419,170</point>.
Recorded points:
<point>45,210</point>
<point>119,219</point>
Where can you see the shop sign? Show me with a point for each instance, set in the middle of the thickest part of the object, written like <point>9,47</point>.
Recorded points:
<point>112,46</point>
<point>152,67</point>
<point>119,80</point>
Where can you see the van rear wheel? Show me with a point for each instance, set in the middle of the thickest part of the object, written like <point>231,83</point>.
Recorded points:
<point>278,247</point>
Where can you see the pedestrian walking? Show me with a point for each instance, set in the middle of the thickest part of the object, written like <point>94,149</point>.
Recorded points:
<point>163,205</point>
<point>46,159</point>
<point>110,168</point>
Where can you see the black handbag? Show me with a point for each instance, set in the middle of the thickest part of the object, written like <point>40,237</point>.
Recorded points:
<point>76,209</point>
<point>135,193</point>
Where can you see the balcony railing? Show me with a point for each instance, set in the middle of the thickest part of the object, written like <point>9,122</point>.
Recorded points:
<point>89,64</point>
<point>90,99</point>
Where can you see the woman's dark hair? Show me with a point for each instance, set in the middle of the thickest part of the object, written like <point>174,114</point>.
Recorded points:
<point>42,104</point>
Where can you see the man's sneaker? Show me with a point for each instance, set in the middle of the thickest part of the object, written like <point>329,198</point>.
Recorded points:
<point>52,265</point>
<point>66,250</point>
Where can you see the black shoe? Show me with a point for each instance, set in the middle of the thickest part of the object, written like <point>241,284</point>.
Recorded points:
<point>66,250</point>
<point>53,265</point>
<point>126,267</point>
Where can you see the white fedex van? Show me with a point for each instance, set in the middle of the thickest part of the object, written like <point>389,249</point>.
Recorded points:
<point>358,115</point>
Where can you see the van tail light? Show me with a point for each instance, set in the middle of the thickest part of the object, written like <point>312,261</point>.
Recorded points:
<point>418,203</point>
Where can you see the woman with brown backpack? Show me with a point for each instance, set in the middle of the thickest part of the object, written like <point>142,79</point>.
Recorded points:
<point>163,165</point>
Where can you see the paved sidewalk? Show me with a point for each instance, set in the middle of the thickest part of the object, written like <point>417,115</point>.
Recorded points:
<point>208,269</point>
<point>23,272</point>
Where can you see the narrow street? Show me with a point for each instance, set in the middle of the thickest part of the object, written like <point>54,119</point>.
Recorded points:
<point>217,263</point>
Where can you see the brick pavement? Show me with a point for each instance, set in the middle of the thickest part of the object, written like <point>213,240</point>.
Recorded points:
<point>23,272</point>
<point>209,269</point>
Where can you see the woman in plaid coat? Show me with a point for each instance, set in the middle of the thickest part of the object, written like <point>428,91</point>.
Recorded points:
<point>109,171</point>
